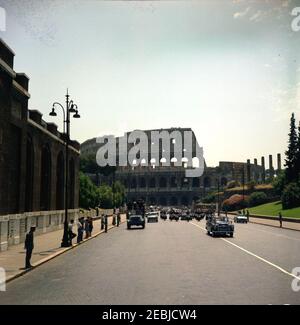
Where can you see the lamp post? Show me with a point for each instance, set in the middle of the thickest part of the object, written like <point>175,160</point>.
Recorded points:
<point>70,108</point>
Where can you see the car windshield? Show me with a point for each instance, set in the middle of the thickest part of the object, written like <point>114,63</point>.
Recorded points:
<point>135,217</point>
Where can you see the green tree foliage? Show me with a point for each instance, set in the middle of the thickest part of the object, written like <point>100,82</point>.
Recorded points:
<point>88,192</point>
<point>209,198</point>
<point>257,198</point>
<point>279,182</point>
<point>297,163</point>
<point>88,164</point>
<point>291,196</point>
<point>291,153</point>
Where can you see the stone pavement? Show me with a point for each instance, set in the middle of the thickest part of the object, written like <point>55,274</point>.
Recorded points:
<point>46,247</point>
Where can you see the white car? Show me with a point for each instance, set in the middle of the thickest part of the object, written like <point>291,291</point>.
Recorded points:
<point>240,218</point>
<point>152,216</point>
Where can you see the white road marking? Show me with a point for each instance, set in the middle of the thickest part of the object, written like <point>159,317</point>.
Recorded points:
<point>254,255</point>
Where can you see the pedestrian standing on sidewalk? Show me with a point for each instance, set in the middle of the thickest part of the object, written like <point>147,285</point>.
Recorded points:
<point>248,215</point>
<point>106,223</point>
<point>80,230</point>
<point>91,226</point>
<point>70,232</point>
<point>29,247</point>
<point>102,221</point>
<point>87,228</point>
<point>118,219</point>
<point>280,219</point>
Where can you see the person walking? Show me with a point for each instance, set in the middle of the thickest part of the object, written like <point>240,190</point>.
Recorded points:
<point>280,219</point>
<point>70,232</point>
<point>29,245</point>
<point>80,230</point>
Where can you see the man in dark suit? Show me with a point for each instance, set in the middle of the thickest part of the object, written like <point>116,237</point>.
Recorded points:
<point>29,247</point>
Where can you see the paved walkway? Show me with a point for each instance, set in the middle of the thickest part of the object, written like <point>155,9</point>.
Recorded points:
<point>46,247</point>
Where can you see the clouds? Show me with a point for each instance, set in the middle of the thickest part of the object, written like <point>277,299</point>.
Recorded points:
<point>241,14</point>
<point>262,10</point>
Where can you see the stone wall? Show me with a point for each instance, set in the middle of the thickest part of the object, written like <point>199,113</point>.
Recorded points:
<point>13,228</point>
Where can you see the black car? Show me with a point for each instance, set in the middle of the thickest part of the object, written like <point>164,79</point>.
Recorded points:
<point>163,215</point>
<point>136,220</point>
<point>219,226</point>
<point>173,216</point>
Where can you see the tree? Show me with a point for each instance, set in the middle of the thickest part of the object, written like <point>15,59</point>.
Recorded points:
<point>297,163</point>
<point>291,196</point>
<point>279,182</point>
<point>88,192</point>
<point>291,153</point>
<point>257,198</point>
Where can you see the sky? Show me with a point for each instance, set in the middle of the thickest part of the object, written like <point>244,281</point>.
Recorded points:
<point>229,69</point>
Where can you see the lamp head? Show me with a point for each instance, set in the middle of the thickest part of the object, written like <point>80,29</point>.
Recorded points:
<point>76,115</point>
<point>53,113</point>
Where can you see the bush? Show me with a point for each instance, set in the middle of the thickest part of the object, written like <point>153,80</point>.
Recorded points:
<point>257,198</point>
<point>235,202</point>
<point>251,185</point>
<point>291,196</point>
<point>209,198</point>
<point>233,184</point>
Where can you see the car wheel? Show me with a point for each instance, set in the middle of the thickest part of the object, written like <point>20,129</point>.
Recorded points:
<point>212,234</point>
<point>231,234</point>
<point>128,227</point>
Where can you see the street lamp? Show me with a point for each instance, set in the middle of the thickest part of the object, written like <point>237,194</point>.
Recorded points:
<point>70,108</point>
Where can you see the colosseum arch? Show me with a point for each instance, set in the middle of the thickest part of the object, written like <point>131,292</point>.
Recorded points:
<point>174,201</point>
<point>173,181</point>
<point>142,182</point>
<point>163,182</point>
<point>152,182</point>
<point>29,175</point>
<point>207,182</point>
<point>223,181</point>
<point>162,201</point>
<point>133,183</point>
<point>45,188</point>
<point>196,182</point>
<point>60,181</point>
<point>71,184</point>
<point>152,200</point>
<point>184,200</point>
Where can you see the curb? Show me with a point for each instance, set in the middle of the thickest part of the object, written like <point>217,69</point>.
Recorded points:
<point>51,257</point>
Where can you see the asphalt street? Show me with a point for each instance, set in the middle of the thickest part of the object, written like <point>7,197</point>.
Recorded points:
<point>168,263</point>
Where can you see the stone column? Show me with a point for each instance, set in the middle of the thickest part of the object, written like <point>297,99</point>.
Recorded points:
<point>248,171</point>
<point>263,175</point>
<point>278,162</point>
<point>3,233</point>
<point>271,168</point>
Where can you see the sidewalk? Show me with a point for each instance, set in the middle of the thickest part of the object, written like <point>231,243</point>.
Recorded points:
<point>46,247</point>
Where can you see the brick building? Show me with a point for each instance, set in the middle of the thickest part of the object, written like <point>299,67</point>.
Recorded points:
<point>32,151</point>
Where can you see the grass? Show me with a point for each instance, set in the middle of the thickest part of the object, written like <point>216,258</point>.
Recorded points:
<point>256,188</point>
<point>273,209</point>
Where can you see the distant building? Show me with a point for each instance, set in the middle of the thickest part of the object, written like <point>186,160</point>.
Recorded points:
<point>162,185</point>
<point>32,151</point>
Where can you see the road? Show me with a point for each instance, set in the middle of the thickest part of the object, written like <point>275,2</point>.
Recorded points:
<point>168,263</point>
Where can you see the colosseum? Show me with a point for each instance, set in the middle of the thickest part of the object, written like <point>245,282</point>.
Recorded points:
<point>158,184</point>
